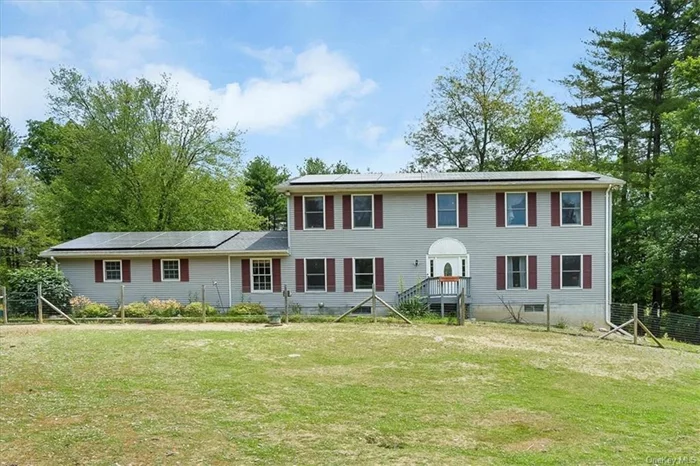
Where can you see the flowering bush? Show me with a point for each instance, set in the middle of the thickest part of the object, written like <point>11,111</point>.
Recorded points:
<point>247,309</point>
<point>164,307</point>
<point>136,309</point>
<point>195,310</point>
<point>79,303</point>
<point>94,310</point>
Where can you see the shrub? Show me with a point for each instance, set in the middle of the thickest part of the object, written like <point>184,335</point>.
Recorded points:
<point>164,308</point>
<point>416,306</point>
<point>136,309</point>
<point>248,309</point>
<point>78,303</point>
<point>195,310</point>
<point>94,310</point>
<point>561,324</point>
<point>587,326</point>
<point>54,286</point>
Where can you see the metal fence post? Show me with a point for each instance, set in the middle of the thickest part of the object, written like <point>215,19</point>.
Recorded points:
<point>285,292</point>
<point>635,311</point>
<point>548,312</point>
<point>204,307</point>
<point>39,304</point>
<point>121,304</point>
<point>6,306</point>
<point>374,302</point>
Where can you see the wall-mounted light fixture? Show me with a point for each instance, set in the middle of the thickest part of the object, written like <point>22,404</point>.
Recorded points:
<point>416,263</point>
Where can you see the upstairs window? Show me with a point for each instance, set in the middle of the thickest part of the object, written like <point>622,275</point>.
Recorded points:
<point>113,271</point>
<point>446,210</point>
<point>314,216</point>
<point>364,274</point>
<point>516,209</point>
<point>571,208</point>
<point>261,272</point>
<point>170,269</point>
<point>517,272</point>
<point>315,274</point>
<point>362,208</point>
<point>571,271</point>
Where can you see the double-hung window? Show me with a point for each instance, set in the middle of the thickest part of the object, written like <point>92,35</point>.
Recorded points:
<point>517,273</point>
<point>170,269</point>
<point>446,210</point>
<point>516,209</point>
<point>314,218</point>
<point>261,272</point>
<point>113,271</point>
<point>364,274</point>
<point>362,207</point>
<point>315,274</point>
<point>571,271</point>
<point>571,208</point>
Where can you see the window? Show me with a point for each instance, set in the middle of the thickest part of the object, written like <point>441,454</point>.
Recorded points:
<point>170,269</point>
<point>446,210</point>
<point>571,208</point>
<point>464,267</point>
<point>315,274</point>
<point>362,207</point>
<point>517,273</point>
<point>261,270</point>
<point>447,271</point>
<point>113,271</point>
<point>364,274</point>
<point>533,307</point>
<point>516,209</point>
<point>432,267</point>
<point>571,271</point>
<point>313,213</point>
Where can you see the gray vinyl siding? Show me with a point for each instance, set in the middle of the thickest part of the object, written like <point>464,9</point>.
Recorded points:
<point>203,271</point>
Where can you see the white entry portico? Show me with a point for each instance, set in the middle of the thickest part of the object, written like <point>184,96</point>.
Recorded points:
<point>447,257</point>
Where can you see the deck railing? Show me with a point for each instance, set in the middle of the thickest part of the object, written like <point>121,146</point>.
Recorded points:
<point>435,286</point>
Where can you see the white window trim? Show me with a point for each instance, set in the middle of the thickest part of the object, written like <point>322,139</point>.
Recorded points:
<point>303,210</point>
<point>561,272</point>
<point>272,275</point>
<point>104,271</point>
<point>561,211</point>
<point>505,201</point>
<point>527,273</point>
<point>437,211</point>
<point>374,275</point>
<point>325,275</point>
<point>179,271</point>
<point>352,210</point>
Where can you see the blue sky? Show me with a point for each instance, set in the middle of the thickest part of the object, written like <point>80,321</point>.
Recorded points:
<point>336,80</point>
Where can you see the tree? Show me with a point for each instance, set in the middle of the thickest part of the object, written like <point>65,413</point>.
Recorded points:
<point>261,179</point>
<point>481,117</point>
<point>44,149</point>
<point>23,230</point>
<point>316,166</point>
<point>140,159</point>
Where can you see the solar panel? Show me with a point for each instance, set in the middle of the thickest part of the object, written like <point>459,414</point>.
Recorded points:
<point>150,240</point>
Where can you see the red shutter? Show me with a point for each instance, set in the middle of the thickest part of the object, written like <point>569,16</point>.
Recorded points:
<point>347,212</point>
<point>587,209</point>
<point>156,269</point>
<point>330,219</point>
<point>299,274</point>
<point>500,209</point>
<point>501,272</point>
<point>298,213</point>
<point>126,271</point>
<point>532,209</point>
<point>184,270</point>
<point>556,272</point>
<point>430,200</point>
<point>378,211</point>
<point>347,272</point>
<point>99,272</point>
<point>556,211</point>
<point>245,275</point>
<point>379,273</point>
<point>532,272</point>
<point>463,210</point>
<point>330,274</point>
<point>587,271</point>
<point>276,275</point>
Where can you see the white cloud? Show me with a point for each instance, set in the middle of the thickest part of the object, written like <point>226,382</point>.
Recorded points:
<point>314,83</point>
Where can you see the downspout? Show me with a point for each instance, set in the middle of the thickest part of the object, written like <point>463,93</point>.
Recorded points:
<point>608,265</point>
<point>55,263</point>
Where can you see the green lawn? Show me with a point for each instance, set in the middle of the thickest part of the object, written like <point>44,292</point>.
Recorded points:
<point>340,393</point>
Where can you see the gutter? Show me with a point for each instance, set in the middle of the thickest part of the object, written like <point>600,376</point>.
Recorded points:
<point>164,253</point>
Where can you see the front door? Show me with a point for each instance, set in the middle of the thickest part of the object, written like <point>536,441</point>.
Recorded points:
<point>446,267</point>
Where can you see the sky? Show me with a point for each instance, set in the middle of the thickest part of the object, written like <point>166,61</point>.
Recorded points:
<point>339,80</point>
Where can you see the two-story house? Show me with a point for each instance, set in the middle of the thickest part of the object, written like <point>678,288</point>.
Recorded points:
<point>503,237</point>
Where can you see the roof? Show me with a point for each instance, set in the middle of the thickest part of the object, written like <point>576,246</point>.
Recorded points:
<point>215,242</point>
<point>474,179</point>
